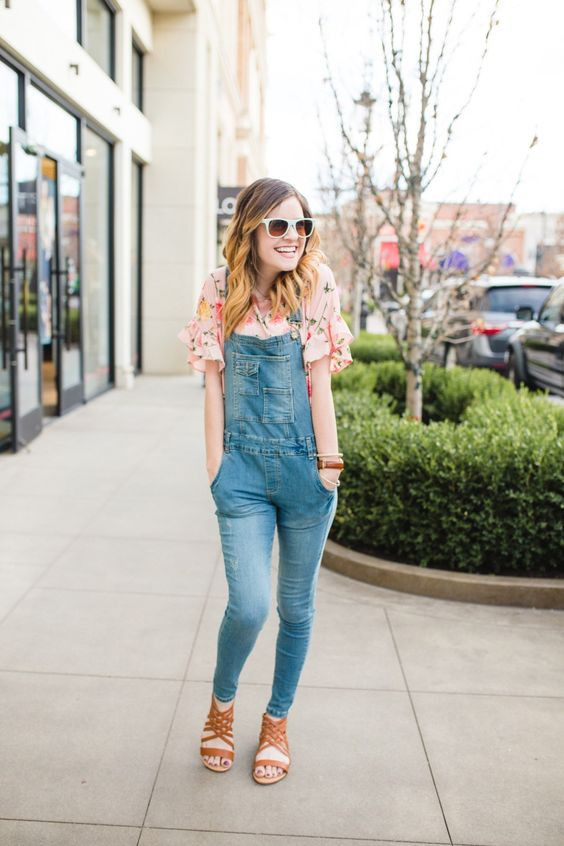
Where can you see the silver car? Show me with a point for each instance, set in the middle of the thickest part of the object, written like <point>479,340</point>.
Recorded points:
<point>478,329</point>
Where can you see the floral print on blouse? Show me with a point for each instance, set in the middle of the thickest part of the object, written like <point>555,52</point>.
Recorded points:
<point>324,332</point>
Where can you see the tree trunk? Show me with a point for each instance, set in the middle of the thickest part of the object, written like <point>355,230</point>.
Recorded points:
<point>356,306</point>
<point>414,389</point>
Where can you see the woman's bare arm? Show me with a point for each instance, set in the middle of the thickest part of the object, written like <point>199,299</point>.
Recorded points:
<point>213,418</point>
<point>323,413</point>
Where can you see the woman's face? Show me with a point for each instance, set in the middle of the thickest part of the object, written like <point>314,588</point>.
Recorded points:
<point>280,254</point>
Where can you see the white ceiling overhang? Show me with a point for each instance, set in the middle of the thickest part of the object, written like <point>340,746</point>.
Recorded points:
<point>172,5</point>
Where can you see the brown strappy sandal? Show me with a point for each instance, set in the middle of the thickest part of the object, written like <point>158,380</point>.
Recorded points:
<point>219,723</point>
<point>272,733</point>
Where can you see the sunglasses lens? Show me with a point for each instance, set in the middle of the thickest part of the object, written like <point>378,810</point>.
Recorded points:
<point>277,228</point>
<point>304,228</point>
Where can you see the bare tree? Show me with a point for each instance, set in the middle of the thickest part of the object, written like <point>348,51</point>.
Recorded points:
<point>421,135</point>
<point>356,220</point>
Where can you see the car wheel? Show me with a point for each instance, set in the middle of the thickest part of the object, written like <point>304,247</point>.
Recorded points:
<point>450,359</point>
<point>513,371</point>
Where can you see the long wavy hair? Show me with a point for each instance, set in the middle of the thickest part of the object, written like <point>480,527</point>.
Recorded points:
<point>255,202</point>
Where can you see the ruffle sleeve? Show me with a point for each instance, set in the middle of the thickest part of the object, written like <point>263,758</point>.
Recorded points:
<point>203,334</point>
<point>328,334</point>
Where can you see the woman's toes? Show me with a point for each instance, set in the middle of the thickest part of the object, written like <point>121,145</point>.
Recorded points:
<point>226,762</point>
<point>260,772</point>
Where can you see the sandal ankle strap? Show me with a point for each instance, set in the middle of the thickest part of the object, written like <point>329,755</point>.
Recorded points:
<point>274,734</point>
<point>220,723</point>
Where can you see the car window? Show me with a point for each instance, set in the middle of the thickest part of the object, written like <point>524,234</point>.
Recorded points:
<point>509,298</point>
<point>553,311</point>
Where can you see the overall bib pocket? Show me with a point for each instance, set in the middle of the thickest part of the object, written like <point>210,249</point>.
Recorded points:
<point>262,388</point>
<point>246,377</point>
<point>278,405</point>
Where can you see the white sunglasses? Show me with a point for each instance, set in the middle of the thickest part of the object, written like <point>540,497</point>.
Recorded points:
<point>277,227</point>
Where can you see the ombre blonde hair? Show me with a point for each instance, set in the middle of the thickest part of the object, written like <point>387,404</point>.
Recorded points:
<point>254,203</point>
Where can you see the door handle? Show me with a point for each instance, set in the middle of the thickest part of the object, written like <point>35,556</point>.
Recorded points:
<point>66,332</point>
<point>23,270</point>
<point>67,304</point>
<point>5,269</point>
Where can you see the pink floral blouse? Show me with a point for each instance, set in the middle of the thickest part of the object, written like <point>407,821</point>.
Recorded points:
<point>324,332</point>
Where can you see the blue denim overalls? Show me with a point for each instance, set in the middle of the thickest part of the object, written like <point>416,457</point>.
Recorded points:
<point>267,479</point>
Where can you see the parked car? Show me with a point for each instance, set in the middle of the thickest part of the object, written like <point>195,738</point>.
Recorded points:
<point>480,325</point>
<point>535,353</point>
<point>397,313</point>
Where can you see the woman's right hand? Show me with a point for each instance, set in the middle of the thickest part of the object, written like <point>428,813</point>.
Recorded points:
<point>213,468</point>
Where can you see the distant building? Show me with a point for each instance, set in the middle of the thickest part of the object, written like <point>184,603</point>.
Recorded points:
<point>461,236</point>
<point>118,124</point>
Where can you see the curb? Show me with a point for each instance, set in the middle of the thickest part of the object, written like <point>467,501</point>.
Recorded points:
<point>442,584</point>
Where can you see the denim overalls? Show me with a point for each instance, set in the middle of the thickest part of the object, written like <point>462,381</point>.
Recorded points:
<point>268,478</point>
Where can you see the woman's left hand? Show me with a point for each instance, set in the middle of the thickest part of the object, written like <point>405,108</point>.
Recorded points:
<point>329,473</point>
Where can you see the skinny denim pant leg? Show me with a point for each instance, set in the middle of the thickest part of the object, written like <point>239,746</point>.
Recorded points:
<point>247,549</point>
<point>301,550</point>
<point>247,524</point>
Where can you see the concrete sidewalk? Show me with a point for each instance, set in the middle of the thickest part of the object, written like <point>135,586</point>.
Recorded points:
<point>416,721</point>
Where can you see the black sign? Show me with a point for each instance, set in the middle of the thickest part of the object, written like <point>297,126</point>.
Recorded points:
<point>226,197</point>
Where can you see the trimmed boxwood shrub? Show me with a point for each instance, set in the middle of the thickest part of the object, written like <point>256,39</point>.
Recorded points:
<point>484,495</point>
<point>369,347</point>
<point>446,393</point>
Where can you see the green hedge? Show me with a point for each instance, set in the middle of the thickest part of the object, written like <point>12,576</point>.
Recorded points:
<point>484,495</point>
<point>369,347</point>
<point>446,393</point>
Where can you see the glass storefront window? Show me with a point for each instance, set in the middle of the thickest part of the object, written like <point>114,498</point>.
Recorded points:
<point>9,114</point>
<point>64,12</point>
<point>8,101</point>
<point>50,125</point>
<point>137,76</point>
<point>97,263</point>
<point>100,34</point>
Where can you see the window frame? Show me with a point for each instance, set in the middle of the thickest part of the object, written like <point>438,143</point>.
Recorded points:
<point>137,49</point>
<point>81,34</point>
<point>139,175</point>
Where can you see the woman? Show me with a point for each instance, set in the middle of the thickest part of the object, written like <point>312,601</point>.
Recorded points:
<point>268,333</point>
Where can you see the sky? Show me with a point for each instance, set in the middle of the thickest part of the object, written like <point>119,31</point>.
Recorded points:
<point>520,95</point>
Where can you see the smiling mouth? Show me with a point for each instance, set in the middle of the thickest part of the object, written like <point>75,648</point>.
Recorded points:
<point>286,251</point>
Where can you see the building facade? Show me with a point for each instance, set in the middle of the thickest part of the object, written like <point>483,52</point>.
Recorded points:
<point>118,123</point>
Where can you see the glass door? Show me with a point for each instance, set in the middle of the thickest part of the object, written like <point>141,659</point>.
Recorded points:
<point>25,349</point>
<point>44,282</point>
<point>68,311</point>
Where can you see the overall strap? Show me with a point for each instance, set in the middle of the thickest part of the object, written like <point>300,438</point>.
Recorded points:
<point>226,278</point>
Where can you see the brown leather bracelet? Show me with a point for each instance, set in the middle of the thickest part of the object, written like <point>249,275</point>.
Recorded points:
<point>330,463</point>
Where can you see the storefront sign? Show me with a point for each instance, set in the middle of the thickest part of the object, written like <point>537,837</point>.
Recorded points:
<point>226,197</point>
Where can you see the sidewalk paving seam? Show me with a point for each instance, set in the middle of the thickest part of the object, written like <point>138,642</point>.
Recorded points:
<point>325,837</point>
<point>404,609</point>
<point>268,684</point>
<point>122,592</point>
<point>68,822</point>
<point>74,536</point>
<point>411,841</point>
<point>180,690</point>
<point>412,704</point>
